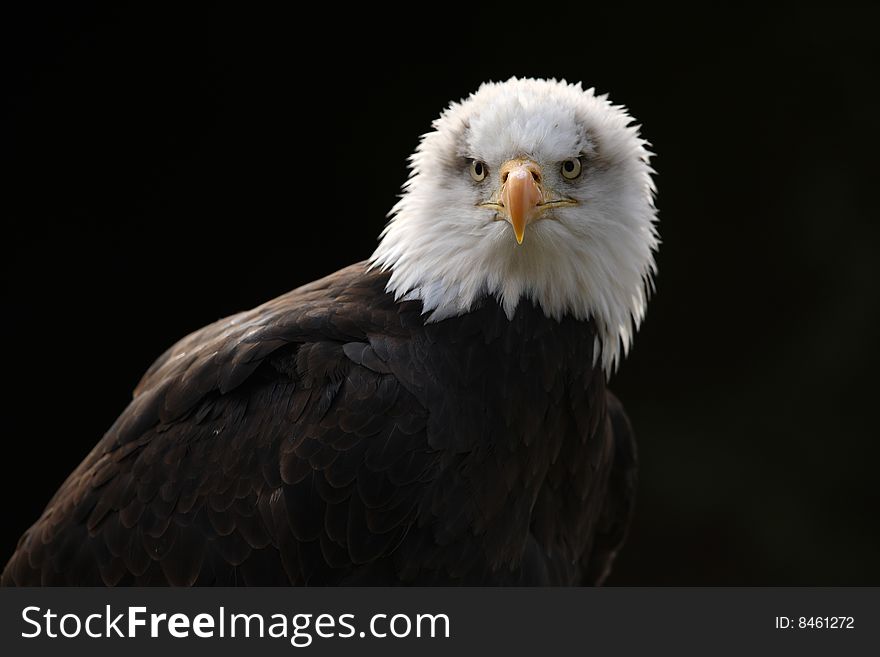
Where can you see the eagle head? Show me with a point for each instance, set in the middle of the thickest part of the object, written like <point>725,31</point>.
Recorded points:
<point>529,189</point>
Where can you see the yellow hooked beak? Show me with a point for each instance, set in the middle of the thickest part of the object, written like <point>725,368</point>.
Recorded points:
<point>522,195</point>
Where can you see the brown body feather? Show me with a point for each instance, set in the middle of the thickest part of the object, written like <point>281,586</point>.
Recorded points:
<point>330,436</point>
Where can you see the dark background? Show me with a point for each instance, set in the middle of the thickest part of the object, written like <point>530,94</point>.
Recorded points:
<point>164,169</point>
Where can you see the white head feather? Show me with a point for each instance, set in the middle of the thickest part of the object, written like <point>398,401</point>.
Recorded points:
<point>591,260</point>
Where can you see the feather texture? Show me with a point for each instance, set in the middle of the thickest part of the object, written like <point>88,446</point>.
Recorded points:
<point>332,436</point>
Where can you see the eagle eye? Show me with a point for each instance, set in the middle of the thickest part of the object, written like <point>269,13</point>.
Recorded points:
<point>478,170</point>
<point>571,169</point>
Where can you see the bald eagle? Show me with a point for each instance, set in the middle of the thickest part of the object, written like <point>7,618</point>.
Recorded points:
<point>437,414</point>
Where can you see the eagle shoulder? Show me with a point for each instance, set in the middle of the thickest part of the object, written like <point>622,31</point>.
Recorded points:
<point>272,447</point>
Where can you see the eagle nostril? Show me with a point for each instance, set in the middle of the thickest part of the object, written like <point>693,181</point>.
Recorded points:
<point>504,176</point>
<point>536,176</point>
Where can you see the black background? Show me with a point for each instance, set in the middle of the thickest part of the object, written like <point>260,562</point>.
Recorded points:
<point>164,169</point>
